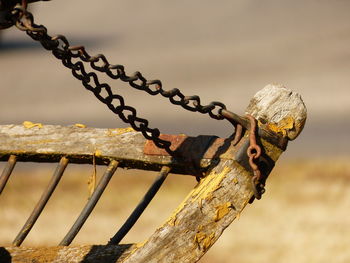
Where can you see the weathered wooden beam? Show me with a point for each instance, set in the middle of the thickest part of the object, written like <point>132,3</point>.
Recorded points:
<point>36,142</point>
<point>221,195</point>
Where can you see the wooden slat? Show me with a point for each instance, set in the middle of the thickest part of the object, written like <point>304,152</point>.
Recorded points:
<point>48,143</point>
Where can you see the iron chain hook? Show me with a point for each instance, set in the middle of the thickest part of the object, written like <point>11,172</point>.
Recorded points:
<point>254,152</point>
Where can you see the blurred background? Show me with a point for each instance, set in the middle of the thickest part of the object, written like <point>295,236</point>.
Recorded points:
<point>222,51</point>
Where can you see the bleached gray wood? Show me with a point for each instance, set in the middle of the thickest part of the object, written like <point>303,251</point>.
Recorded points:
<point>48,143</point>
<point>283,109</point>
<point>221,195</point>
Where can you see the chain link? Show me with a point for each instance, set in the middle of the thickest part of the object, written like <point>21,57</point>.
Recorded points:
<point>254,152</point>
<point>62,50</point>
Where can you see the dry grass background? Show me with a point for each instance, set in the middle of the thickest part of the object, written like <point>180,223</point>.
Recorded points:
<point>303,216</point>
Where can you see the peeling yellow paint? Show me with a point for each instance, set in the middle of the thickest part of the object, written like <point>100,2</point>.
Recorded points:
<point>141,244</point>
<point>198,238</point>
<point>222,211</point>
<point>211,184</point>
<point>208,241</point>
<point>119,131</point>
<point>173,221</point>
<point>29,125</point>
<point>79,125</point>
<point>271,150</point>
<point>98,153</point>
<point>134,248</point>
<point>283,126</point>
<point>235,180</point>
<point>202,191</point>
<point>204,241</point>
<point>39,142</point>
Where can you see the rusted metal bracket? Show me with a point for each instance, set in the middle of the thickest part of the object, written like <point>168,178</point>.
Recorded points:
<point>186,147</point>
<point>191,149</point>
<point>250,154</point>
<point>263,132</point>
<point>197,153</point>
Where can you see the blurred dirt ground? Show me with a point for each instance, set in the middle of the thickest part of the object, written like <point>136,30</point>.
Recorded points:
<point>303,216</point>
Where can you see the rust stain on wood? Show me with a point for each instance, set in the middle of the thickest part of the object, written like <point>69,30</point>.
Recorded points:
<point>205,146</point>
<point>176,140</point>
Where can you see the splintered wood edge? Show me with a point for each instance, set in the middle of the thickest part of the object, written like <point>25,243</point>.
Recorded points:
<point>279,110</point>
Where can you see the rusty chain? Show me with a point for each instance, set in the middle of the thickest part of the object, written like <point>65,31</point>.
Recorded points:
<point>76,58</point>
<point>62,50</point>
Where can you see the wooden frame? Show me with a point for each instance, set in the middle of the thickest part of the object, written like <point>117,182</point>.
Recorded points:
<point>219,197</point>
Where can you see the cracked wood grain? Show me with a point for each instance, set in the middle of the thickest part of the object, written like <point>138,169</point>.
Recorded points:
<point>219,197</point>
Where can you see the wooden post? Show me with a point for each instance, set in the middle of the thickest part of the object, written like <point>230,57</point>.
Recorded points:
<point>217,199</point>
